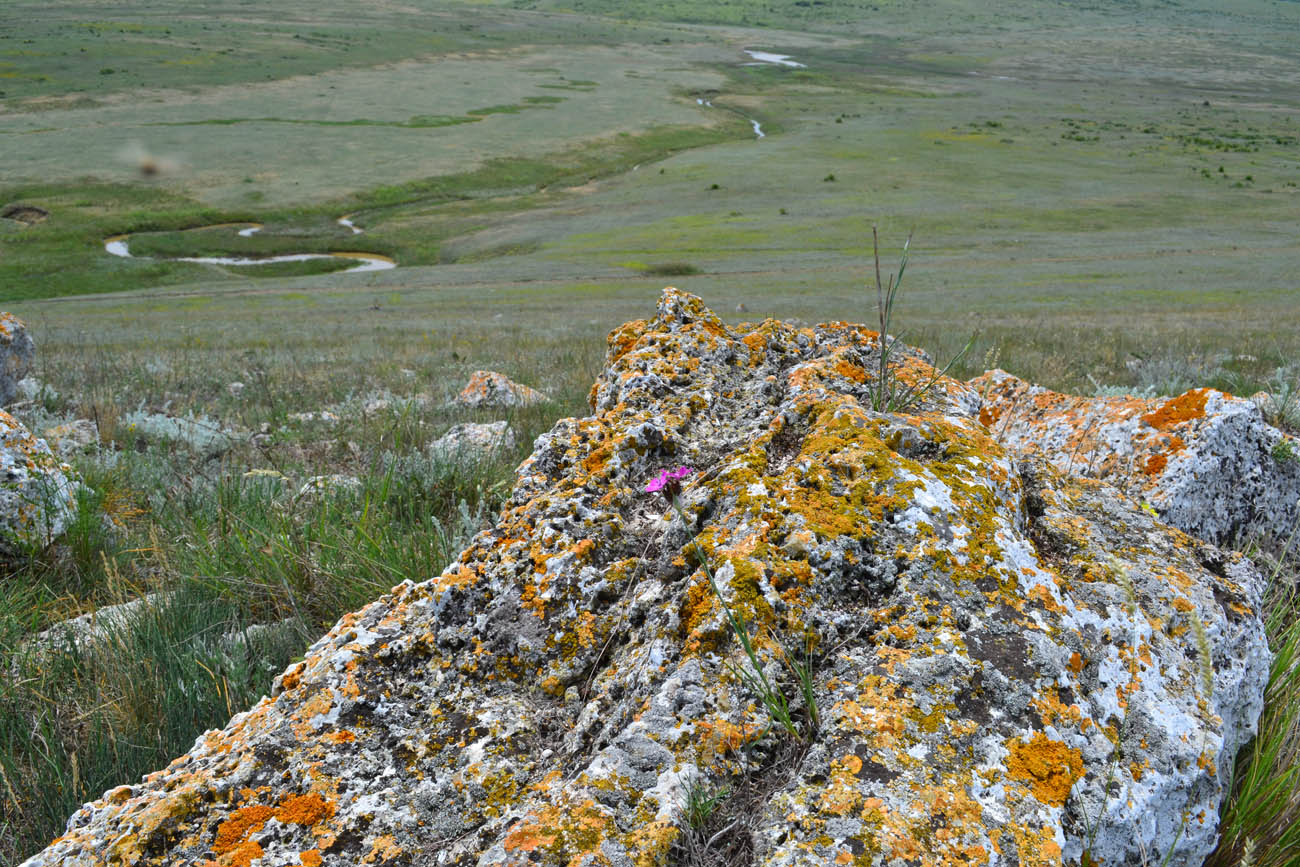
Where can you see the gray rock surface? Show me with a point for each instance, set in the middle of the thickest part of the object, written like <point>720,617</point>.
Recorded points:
<point>1205,461</point>
<point>38,492</point>
<point>16,355</point>
<point>1010,666</point>
<point>472,441</point>
<point>73,436</point>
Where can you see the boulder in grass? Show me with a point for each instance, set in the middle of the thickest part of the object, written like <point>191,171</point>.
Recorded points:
<point>473,441</point>
<point>487,388</point>
<point>203,436</point>
<point>16,354</point>
<point>1205,461</point>
<point>988,636</point>
<point>72,437</point>
<point>85,631</point>
<point>38,492</point>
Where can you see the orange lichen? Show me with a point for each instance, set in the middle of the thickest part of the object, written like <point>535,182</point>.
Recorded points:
<point>244,821</point>
<point>841,796</point>
<point>292,675</point>
<point>575,829</point>
<point>1049,767</point>
<point>1155,464</point>
<point>385,848</point>
<point>458,579</point>
<point>1183,408</point>
<point>304,809</point>
<point>310,858</point>
<point>242,855</point>
<point>850,371</point>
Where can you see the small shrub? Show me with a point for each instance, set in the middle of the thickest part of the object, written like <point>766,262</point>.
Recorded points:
<point>670,269</point>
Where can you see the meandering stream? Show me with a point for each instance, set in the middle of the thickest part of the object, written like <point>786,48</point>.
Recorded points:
<point>118,246</point>
<point>758,130</point>
<point>760,57</point>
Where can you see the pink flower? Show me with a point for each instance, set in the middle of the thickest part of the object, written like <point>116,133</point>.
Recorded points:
<point>669,481</point>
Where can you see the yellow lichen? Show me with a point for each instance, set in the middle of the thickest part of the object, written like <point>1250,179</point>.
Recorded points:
<point>1048,767</point>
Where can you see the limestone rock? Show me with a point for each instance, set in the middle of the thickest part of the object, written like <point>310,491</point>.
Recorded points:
<point>31,388</point>
<point>73,436</point>
<point>1204,460</point>
<point>1010,664</point>
<point>87,630</point>
<point>487,388</point>
<point>200,434</point>
<point>16,354</point>
<point>473,441</point>
<point>38,493</point>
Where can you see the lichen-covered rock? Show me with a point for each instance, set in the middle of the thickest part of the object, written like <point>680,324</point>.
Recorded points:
<point>473,441</point>
<point>487,388</point>
<point>38,493</point>
<point>16,354</point>
<point>1010,665</point>
<point>1206,461</point>
<point>71,437</point>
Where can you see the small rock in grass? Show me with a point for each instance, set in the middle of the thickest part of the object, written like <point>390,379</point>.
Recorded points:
<point>72,437</point>
<point>487,388</point>
<point>202,435</point>
<point>31,388</point>
<point>38,492</point>
<point>235,389</point>
<point>473,441</point>
<point>86,630</point>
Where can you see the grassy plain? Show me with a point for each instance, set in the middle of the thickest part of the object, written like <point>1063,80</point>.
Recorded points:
<point>1105,196</point>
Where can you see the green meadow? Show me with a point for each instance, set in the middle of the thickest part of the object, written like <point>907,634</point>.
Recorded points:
<point>1103,196</point>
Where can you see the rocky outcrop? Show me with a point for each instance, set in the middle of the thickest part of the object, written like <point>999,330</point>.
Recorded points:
<point>1009,666</point>
<point>487,388</point>
<point>38,493</point>
<point>16,354</point>
<point>1205,461</point>
<point>473,441</point>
